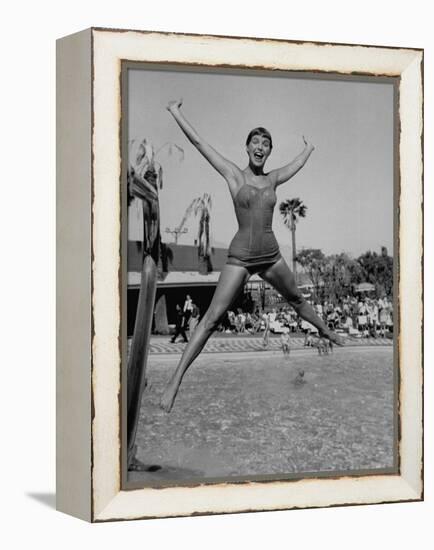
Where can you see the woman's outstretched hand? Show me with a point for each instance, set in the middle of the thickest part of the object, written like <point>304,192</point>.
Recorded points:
<point>307,144</point>
<point>175,104</point>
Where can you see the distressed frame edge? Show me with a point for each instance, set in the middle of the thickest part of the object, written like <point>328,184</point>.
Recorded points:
<point>411,490</point>
<point>73,275</point>
<point>251,38</point>
<point>411,313</point>
<point>113,510</point>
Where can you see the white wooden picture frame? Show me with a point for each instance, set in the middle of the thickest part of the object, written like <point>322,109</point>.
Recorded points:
<point>89,419</point>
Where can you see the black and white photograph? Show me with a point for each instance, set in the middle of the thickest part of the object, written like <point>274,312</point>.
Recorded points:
<point>259,252</point>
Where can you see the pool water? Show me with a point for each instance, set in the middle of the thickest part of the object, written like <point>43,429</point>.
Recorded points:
<point>255,415</point>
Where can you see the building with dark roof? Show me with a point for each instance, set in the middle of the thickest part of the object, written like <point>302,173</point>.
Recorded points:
<point>180,274</point>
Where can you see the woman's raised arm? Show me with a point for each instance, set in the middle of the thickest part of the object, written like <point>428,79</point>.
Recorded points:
<point>280,175</point>
<point>226,168</point>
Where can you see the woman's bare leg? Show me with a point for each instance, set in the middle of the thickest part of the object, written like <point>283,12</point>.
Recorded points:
<point>231,282</point>
<point>282,279</point>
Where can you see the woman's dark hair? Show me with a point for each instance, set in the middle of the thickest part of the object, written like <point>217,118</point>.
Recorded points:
<point>259,131</point>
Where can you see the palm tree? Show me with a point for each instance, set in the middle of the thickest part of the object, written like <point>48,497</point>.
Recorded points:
<point>145,179</point>
<point>292,210</point>
<point>201,207</point>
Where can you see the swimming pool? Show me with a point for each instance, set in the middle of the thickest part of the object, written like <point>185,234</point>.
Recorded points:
<point>254,414</point>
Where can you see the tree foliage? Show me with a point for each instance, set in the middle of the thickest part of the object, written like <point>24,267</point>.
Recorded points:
<point>201,207</point>
<point>337,275</point>
<point>312,260</point>
<point>291,210</point>
<point>378,270</point>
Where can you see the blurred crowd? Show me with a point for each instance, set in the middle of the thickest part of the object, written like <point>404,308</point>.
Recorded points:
<point>359,317</point>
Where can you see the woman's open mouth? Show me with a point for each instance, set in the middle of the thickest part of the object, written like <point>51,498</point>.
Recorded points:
<point>258,156</point>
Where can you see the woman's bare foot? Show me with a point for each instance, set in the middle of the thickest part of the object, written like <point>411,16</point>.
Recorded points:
<point>333,337</point>
<point>168,397</point>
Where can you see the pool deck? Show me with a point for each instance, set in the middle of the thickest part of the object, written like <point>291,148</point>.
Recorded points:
<point>228,343</point>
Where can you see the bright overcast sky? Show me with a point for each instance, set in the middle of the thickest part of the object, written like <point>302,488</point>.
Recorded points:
<point>347,184</point>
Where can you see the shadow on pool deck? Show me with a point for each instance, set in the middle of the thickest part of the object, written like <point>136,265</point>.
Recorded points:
<point>165,473</point>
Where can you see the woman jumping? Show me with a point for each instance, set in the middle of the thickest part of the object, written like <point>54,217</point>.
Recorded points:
<point>254,248</point>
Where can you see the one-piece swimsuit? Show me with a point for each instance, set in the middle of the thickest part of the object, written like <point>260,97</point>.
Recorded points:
<point>254,246</point>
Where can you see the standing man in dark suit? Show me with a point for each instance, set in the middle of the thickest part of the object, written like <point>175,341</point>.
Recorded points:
<point>179,325</point>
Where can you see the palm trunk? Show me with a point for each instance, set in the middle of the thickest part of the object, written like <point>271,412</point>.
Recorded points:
<point>139,349</point>
<point>294,251</point>
<point>161,321</point>
<point>207,243</point>
<point>201,247</point>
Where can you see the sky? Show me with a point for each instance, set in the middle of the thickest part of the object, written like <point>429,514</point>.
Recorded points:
<point>347,184</point>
